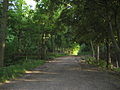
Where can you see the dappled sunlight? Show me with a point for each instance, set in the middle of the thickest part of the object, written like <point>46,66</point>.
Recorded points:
<point>82,61</point>
<point>31,79</point>
<point>76,49</point>
<point>91,70</point>
<point>37,80</point>
<point>60,44</point>
<point>1,84</point>
<point>61,61</point>
<point>55,61</point>
<point>40,72</point>
<point>8,82</point>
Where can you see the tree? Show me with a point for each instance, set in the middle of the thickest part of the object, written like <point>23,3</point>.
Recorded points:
<point>3,29</point>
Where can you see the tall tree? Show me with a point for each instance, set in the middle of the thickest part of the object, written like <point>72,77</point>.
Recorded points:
<point>3,31</point>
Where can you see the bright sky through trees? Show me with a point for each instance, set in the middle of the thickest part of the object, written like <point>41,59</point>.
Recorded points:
<point>32,3</point>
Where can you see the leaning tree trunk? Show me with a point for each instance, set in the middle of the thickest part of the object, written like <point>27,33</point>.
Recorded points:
<point>118,54</point>
<point>116,45</point>
<point>3,30</point>
<point>118,35</point>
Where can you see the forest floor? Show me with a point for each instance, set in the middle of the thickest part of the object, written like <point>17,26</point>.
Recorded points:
<point>65,73</point>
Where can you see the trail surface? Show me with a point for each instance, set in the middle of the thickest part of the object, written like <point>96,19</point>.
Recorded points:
<point>65,73</point>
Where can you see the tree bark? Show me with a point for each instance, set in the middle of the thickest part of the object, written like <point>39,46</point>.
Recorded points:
<point>98,53</point>
<point>118,54</point>
<point>93,51</point>
<point>117,64</point>
<point>108,54</point>
<point>3,31</point>
<point>117,47</point>
<point>53,43</point>
<point>118,35</point>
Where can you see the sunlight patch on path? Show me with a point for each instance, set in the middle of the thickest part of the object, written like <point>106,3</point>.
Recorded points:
<point>41,72</point>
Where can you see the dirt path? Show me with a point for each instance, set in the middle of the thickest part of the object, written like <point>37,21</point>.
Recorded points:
<point>65,73</point>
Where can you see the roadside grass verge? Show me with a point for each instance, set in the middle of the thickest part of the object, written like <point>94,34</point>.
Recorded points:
<point>52,55</point>
<point>101,64</point>
<point>116,69</point>
<point>13,71</point>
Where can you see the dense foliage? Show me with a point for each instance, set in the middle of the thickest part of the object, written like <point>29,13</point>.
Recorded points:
<point>34,34</point>
<point>59,26</point>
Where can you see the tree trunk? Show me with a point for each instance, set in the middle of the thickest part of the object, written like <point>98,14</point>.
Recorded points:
<point>53,43</point>
<point>93,51</point>
<point>44,48</point>
<point>3,30</point>
<point>116,45</point>
<point>113,38</point>
<point>108,54</point>
<point>118,35</point>
<point>98,53</point>
<point>117,64</point>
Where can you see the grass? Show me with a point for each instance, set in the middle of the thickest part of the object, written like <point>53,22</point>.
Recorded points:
<point>13,71</point>
<point>52,55</point>
<point>116,69</point>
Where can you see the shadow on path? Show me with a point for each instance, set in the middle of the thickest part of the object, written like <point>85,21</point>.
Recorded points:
<point>64,73</point>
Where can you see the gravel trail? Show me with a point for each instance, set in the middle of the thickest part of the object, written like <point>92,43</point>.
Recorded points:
<point>64,73</point>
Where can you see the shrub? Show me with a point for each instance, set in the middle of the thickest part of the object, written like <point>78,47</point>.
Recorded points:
<point>116,69</point>
<point>11,72</point>
<point>100,63</point>
<point>91,60</point>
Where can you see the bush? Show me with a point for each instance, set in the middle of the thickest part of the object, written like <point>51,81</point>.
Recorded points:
<point>101,63</point>
<point>91,60</point>
<point>11,72</point>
